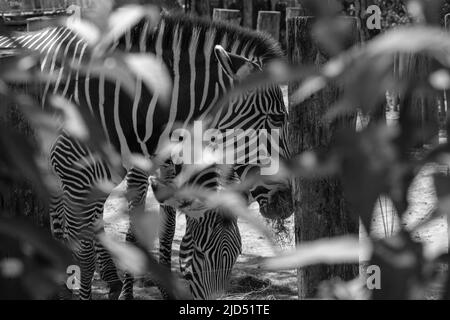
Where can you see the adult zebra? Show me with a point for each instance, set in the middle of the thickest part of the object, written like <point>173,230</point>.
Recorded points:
<point>205,60</point>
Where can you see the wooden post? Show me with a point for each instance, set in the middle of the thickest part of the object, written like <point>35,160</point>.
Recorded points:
<point>274,4</point>
<point>248,13</point>
<point>81,3</point>
<point>292,12</point>
<point>446,92</point>
<point>320,208</point>
<point>447,21</point>
<point>21,199</point>
<point>229,3</point>
<point>38,23</point>
<point>423,106</point>
<point>201,8</point>
<point>269,22</point>
<point>232,16</point>
<point>430,115</point>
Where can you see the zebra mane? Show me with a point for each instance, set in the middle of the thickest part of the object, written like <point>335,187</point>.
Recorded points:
<point>251,44</point>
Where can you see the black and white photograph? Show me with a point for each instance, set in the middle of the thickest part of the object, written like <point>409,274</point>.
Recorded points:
<point>224,158</point>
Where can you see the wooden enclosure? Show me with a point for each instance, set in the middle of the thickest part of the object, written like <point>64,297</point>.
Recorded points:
<point>10,8</point>
<point>320,207</point>
<point>269,22</point>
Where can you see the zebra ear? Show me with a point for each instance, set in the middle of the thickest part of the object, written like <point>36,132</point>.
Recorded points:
<point>236,67</point>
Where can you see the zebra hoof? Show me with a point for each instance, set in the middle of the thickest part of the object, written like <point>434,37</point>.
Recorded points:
<point>126,296</point>
<point>63,294</point>
<point>164,294</point>
<point>115,289</point>
<point>114,295</point>
<point>150,283</point>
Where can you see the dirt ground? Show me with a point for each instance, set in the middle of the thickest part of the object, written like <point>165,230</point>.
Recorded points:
<point>250,282</point>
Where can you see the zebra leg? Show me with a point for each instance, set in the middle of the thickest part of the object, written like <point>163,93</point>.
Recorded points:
<point>57,209</point>
<point>137,187</point>
<point>128,279</point>
<point>166,235</point>
<point>57,216</point>
<point>85,255</point>
<point>186,249</point>
<point>75,212</point>
<point>107,268</point>
<point>108,271</point>
<point>80,234</point>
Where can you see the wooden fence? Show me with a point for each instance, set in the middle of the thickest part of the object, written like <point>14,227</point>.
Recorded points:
<point>16,8</point>
<point>249,9</point>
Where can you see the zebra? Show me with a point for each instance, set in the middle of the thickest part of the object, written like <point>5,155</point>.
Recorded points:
<point>189,47</point>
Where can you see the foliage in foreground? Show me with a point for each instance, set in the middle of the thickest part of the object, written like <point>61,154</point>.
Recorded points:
<point>373,162</point>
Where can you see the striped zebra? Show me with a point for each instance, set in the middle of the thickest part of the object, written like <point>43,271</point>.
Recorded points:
<point>204,60</point>
<point>205,279</point>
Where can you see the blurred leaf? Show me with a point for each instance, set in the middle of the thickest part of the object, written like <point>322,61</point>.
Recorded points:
<point>367,159</point>
<point>276,73</point>
<point>440,80</point>
<point>73,121</point>
<point>153,72</point>
<point>335,35</point>
<point>368,59</point>
<point>86,30</point>
<point>339,290</point>
<point>138,262</point>
<point>141,163</point>
<point>83,123</point>
<point>145,222</point>
<point>40,241</point>
<point>122,20</point>
<point>127,257</point>
<point>232,202</point>
<point>313,165</point>
<point>401,262</point>
<point>339,250</point>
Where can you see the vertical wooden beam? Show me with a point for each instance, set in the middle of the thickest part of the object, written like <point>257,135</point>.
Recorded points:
<point>320,208</point>
<point>228,3</point>
<point>274,4</point>
<point>269,22</point>
<point>446,92</point>
<point>201,8</point>
<point>248,13</point>
<point>447,126</point>
<point>292,12</point>
<point>22,199</point>
<point>232,16</point>
<point>423,107</point>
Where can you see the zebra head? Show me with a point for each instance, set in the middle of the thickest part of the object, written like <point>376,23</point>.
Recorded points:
<point>262,108</point>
